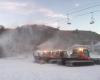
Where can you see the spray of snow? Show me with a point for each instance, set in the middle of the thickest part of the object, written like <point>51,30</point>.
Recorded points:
<point>24,40</point>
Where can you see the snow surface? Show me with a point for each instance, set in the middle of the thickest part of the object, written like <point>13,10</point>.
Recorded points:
<point>94,55</point>
<point>26,69</point>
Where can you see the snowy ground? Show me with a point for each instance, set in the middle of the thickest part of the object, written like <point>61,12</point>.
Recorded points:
<point>94,55</point>
<point>22,69</point>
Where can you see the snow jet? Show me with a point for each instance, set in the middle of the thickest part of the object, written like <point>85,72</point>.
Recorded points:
<point>25,39</point>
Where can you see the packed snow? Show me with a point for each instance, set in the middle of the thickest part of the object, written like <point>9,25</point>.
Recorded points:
<point>26,69</point>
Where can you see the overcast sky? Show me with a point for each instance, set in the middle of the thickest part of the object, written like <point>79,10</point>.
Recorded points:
<point>50,12</point>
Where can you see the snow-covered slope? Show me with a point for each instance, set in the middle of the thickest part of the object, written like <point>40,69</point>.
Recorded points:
<point>25,39</point>
<point>21,69</point>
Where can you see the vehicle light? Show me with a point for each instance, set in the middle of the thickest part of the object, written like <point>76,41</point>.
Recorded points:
<point>80,49</point>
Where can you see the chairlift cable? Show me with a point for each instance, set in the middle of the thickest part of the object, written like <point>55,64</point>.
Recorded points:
<point>77,11</point>
<point>94,5</point>
<point>87,13</point>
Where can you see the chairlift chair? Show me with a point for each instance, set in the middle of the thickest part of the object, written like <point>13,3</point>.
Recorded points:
<point>92,19</point>
<point>92,22</point>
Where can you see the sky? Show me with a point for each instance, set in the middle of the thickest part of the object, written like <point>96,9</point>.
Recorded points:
<point>55,13</point>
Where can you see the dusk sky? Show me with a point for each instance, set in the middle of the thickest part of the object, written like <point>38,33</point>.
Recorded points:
<point>51,12</point>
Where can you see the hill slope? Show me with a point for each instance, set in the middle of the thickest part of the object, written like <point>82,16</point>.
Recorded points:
<point>66,39</point>
<point>27,38</point>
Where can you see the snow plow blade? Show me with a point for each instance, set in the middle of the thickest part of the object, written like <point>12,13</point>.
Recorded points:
<point>72,63</point>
